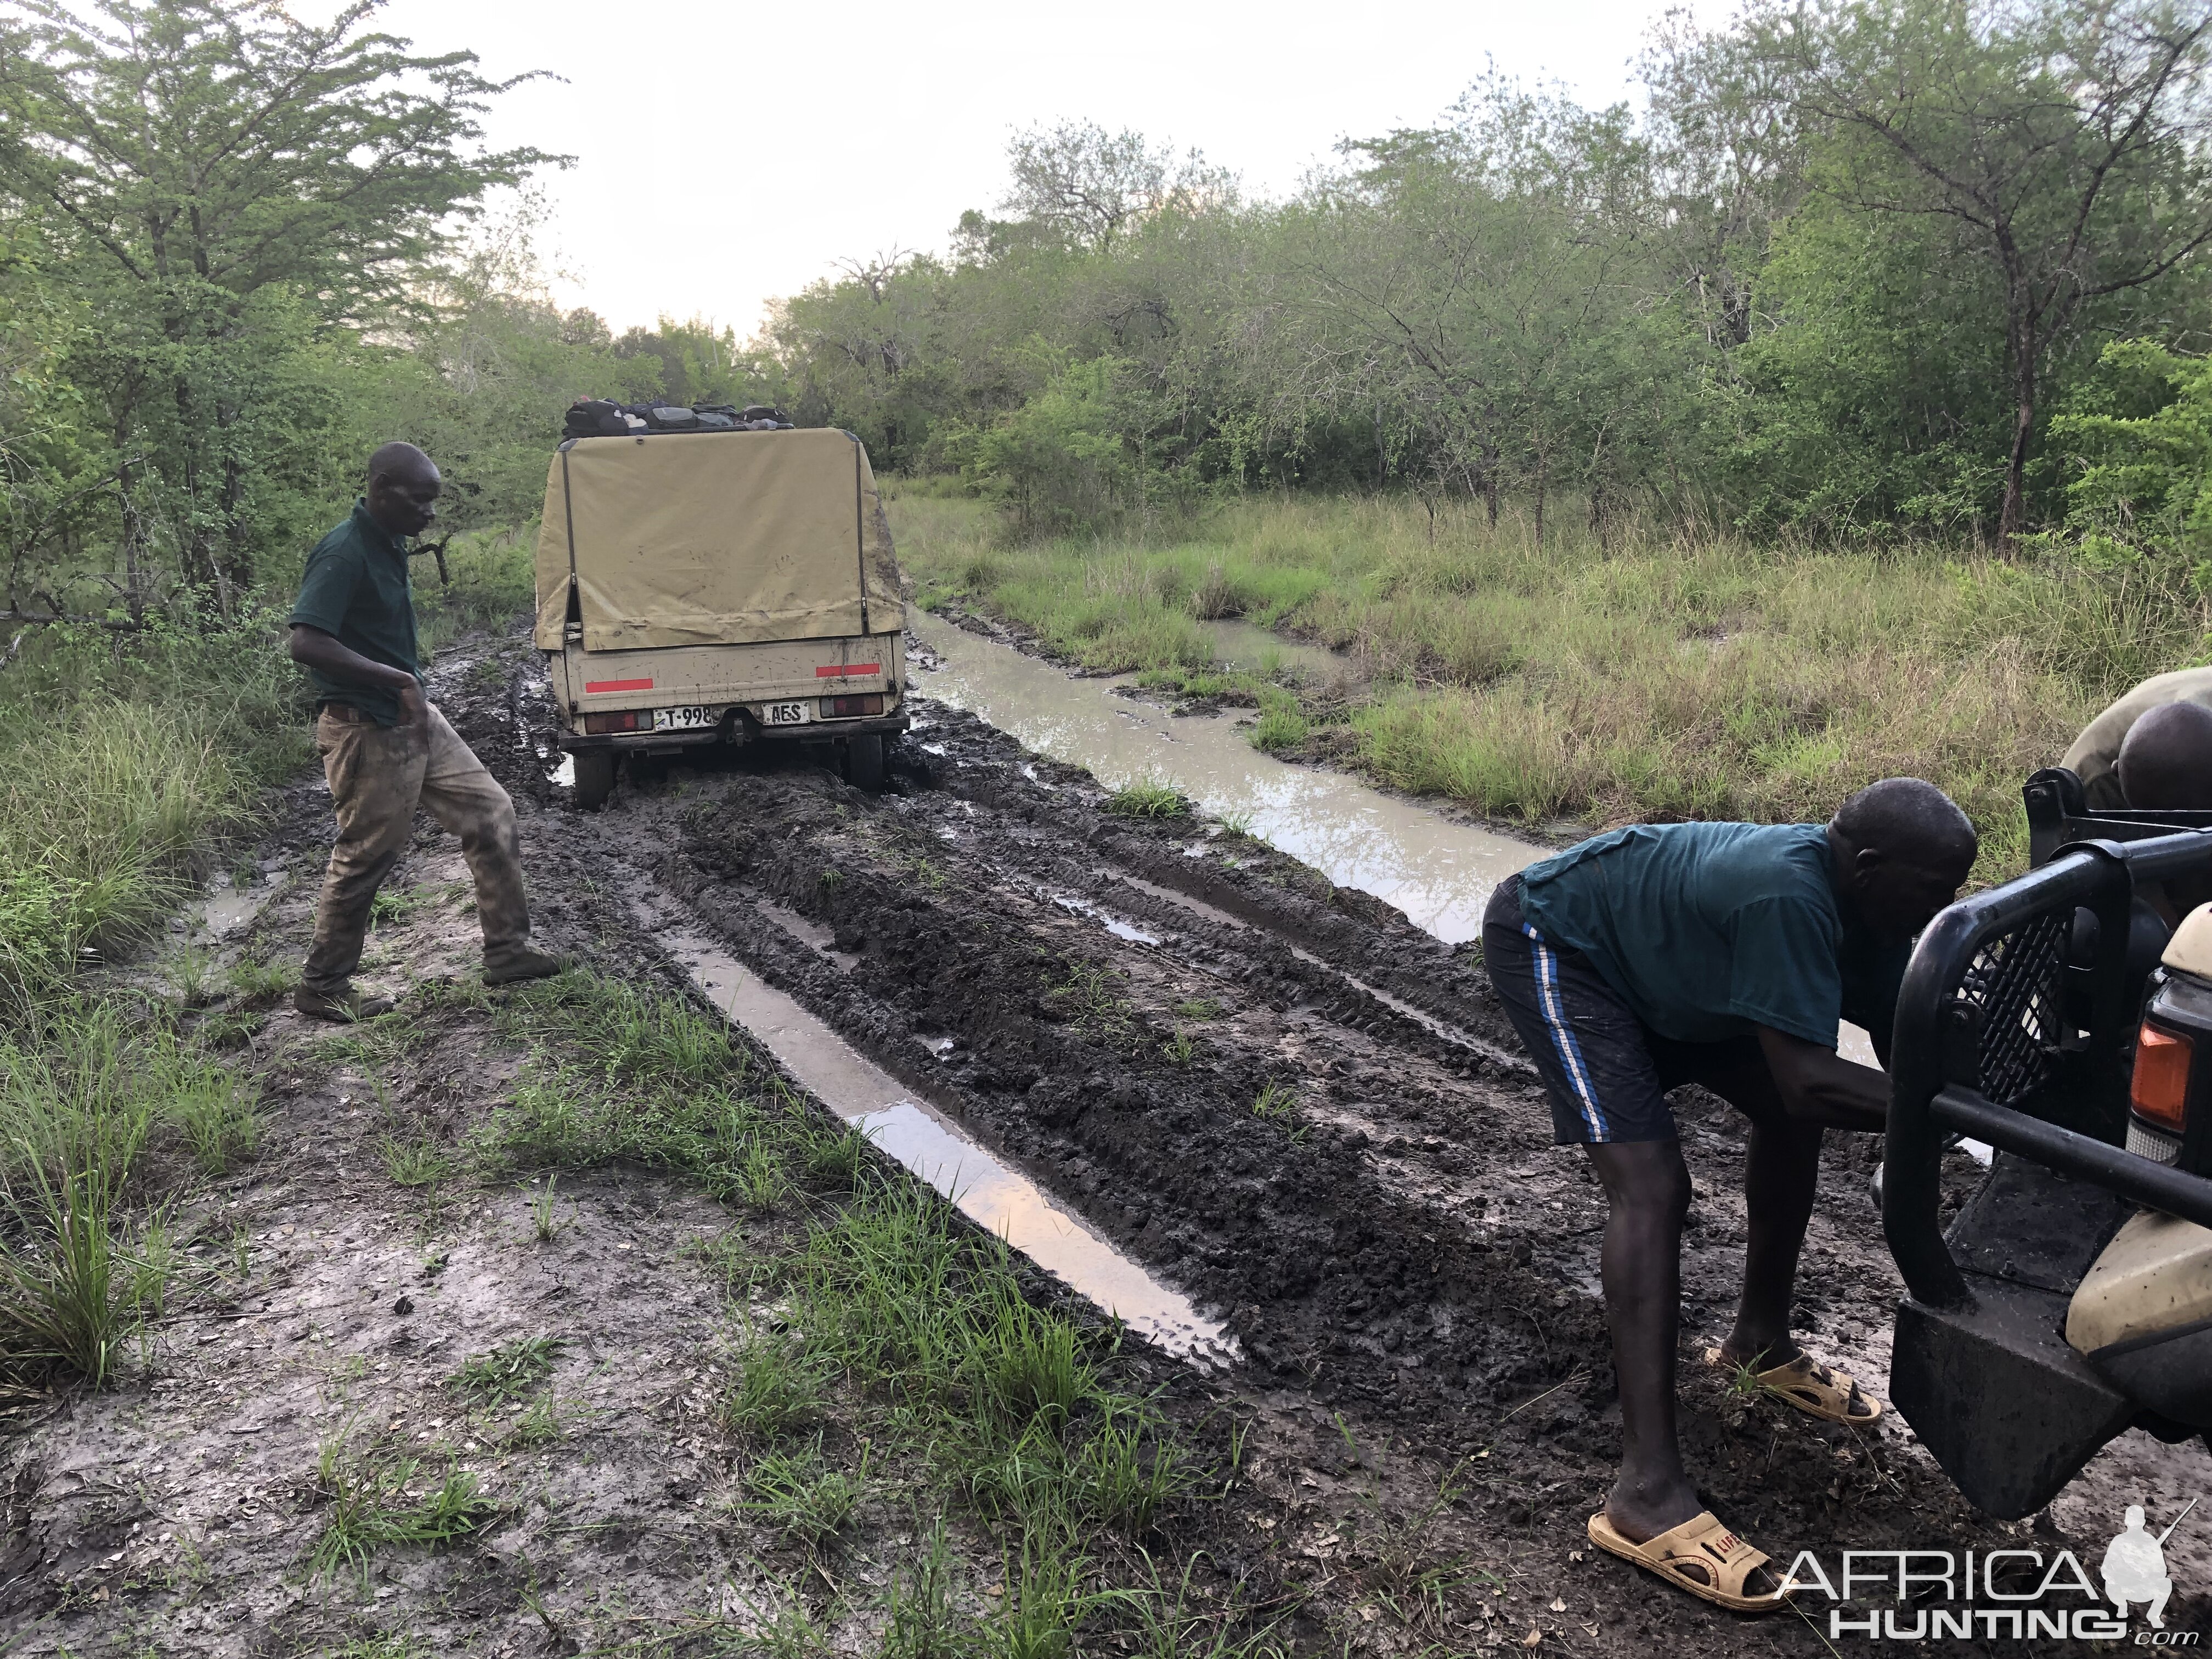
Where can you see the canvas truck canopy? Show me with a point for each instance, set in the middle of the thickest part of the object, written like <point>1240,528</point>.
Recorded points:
<point>714,539</point>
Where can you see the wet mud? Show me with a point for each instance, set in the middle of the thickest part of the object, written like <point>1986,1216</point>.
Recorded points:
<point>1275,1095</point>
<point>1283,1098</point>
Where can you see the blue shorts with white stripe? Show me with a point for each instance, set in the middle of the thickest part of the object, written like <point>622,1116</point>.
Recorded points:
<point>1607,1071</point>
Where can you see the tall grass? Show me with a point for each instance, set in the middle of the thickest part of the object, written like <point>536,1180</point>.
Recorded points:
<point>1659,675</point>
<point>124,753</point>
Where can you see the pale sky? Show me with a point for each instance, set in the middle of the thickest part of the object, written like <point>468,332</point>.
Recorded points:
<point>726,154</point>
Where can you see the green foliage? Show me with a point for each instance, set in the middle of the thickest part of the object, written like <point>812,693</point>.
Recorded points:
<point>1084,453</point>
<point>245,193</point>
<point>2139,440</point>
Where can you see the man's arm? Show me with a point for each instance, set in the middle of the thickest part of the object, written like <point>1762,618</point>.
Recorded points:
<point>323,653</point>
<point>1819,1085</point>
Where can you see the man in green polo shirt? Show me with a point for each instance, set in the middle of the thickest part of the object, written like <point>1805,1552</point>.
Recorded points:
<point>386,749</point>
<point>1725,955</point>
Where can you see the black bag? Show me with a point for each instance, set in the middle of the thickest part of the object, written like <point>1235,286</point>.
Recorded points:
<point>594,417</point>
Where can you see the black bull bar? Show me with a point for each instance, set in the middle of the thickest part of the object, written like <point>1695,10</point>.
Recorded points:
<point>2013,1027</point>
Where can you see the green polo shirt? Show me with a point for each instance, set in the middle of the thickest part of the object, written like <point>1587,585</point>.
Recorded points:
<point>355,590</point>
<point>1706,930</point>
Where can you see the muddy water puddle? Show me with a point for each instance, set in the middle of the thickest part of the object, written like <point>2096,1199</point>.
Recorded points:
<point>1440,873</point>
<point>998,1199</point>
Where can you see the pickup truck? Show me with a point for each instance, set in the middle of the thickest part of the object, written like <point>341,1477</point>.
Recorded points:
<point>2058,1019</point>
<point>718,588</point>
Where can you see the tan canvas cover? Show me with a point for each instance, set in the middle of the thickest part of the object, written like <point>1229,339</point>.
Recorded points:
<point>715,538</point>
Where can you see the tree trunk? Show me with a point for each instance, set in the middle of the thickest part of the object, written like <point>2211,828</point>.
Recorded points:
<point>2013,521</point>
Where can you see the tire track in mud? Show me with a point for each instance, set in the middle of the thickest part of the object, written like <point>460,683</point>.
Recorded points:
<point>1408,1263</point>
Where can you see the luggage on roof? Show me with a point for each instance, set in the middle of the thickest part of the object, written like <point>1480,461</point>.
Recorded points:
<point>597,417</point>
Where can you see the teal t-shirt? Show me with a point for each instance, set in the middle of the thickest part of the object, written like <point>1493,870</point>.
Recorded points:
<point>356,589</point>
<point>1706,930</point>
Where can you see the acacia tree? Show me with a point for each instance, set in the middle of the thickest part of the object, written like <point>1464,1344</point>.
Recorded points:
<point>2066,141</point>
<point>1092,186</point>
<point>219,170</point>
<point>1494,277</point>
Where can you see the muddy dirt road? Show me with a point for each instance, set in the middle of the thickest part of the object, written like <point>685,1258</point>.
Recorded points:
<point>1288,1101</point>
<point>1270,1096</point>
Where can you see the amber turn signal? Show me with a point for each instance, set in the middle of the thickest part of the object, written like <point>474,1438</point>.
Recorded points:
<point>2160,1092</point>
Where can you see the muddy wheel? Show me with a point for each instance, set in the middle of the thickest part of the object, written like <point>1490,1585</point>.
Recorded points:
<point>595,778</point>
<point>864,762</point>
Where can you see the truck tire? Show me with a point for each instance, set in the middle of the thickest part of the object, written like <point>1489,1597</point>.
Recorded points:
<point>595,778</point>
<point>864,762</point>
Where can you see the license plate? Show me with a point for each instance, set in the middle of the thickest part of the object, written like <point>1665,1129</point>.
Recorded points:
<point>787,714</point>
<point>684,719</point>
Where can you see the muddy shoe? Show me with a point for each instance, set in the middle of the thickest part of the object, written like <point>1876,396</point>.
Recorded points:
<point>344,1005</point>
<point>525,965</point>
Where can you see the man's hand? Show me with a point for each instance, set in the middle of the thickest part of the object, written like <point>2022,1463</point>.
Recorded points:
<point>313,648</point>
<point>1819,1085</point>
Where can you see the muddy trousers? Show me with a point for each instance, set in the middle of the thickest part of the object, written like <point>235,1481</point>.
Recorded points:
<point>378,776</point>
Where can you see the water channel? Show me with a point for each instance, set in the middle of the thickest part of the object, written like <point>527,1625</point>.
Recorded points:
<point>1438,871</point>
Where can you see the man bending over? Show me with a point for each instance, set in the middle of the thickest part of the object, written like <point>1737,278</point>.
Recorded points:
<point>1722,954</point>
<point>386,751</point>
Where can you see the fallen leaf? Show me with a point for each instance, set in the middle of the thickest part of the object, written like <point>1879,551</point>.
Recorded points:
<point>1534,1637</point>
<point>1574,1555</point>
<point>1558,1605</point>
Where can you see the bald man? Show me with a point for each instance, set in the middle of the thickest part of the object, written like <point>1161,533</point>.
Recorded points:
<point>386,751</point>
<point>2095,754</point>
<point>1722,954</point>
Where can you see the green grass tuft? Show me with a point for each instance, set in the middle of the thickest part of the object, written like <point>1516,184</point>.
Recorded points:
<point>513,1370</point>
<point>1147,797</point>
<point>377,1499</point>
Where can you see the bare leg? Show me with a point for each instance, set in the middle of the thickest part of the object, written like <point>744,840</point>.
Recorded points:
<point>1782,1169</point>
<point>1647,1191</point>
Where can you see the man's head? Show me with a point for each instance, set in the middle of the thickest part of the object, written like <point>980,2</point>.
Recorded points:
<point>1902,849</point>
<point>2165,760</point>
<point>403,489</point>
<point>2134,1517</point>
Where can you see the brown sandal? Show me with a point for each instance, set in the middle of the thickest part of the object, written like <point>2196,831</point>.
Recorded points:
<point>1815,1390</point>
<point>1700,1556</point>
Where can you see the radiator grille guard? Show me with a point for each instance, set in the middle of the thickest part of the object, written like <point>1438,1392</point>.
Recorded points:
<point>2015,987</point>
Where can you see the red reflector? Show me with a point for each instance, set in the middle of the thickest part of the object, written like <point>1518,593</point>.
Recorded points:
<point>600,725</point>
<point>2160,1092</point>
<point>617,685</point>
<point>847,671</point>
<point>846,707</point>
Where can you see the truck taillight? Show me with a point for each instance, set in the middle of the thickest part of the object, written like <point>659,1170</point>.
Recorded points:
<point>629,719</point>
<point>2158,1095</point>
<point>847,708</point>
